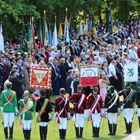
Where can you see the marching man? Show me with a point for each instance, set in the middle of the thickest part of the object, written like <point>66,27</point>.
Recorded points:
<point>79,101</point>
<point>43,109</point>
<point>129,99</point>
<point>62,113</point>
<point>26,106</point>
<point>111,106</point>
<point>95,105</point>
<point>9,105</point>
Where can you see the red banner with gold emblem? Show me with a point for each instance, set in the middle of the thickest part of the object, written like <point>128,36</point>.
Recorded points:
<point>40,77</point>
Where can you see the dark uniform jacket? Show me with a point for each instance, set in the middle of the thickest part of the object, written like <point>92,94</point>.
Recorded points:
<point>45,116</point>
<point>62,104</point>
<point>129,97</point>
<point>109,100</point>
<point>91,101</point>
<point>75,99</point>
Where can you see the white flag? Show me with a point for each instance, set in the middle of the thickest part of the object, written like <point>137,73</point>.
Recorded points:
<point>67,35</point>
<point>54,39</point>
<point>46,32</point>
<point>81,29</point>
<point>1,39</point>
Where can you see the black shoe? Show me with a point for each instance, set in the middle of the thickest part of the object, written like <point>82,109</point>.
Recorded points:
<point>6,132</point>
<point>41,132</point>
<point>81,132</point>
<point>98,129</point>
<point>63,134</point>
<point>114,129</point>
<point>28,134</point>
<point>45,132</point>
<point>110,128</point>
<point>60,133</point>
<point>77,132</point>
<point>139,121</point>
<point>11,133</point>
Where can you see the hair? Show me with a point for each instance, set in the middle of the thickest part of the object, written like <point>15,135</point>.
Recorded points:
<point>62,91</point>
<point>43,92</point>
<point>95,89</point>
<point>79,88</point>
<point>9,85</point>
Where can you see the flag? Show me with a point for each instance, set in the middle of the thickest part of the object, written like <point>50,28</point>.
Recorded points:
<point>50,36</point>
<point>60,32</point>
<point>94,28</point>
<point>45,30</point>
<point>54,39</point>
<point>40,36</point>
<point>1,39</point>
<point>85,27</point>
<point>115,26</point>
<point>89,76</point>
<point>65,26</point>
<point>67,35</point>
<point>81,28</point>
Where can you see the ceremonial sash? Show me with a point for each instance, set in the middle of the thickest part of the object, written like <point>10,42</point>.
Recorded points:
<point>93,106</point>
<point>26,107</point>
<point>115,100</point>
<point>43,108</point>
<point>58,114</point>
<point>9,98</point>
<point>127,98</point>
<point>81,101</point>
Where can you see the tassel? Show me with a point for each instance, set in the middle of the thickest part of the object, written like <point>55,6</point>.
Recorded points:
<point>20,122</point>
<point>58,120</point>
<point>90,117</point>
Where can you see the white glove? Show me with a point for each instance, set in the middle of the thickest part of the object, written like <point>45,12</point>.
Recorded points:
<point>1,108</point>
<point>86,113</point>
<point>16,110</point>
<point>50,116</point>
<point>36,115</point>
<point>55,115</point>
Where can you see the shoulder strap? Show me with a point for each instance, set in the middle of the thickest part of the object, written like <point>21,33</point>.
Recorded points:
<point>9,98</point>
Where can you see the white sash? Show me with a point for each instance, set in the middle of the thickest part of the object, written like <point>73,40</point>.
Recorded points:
<point>81,101</point>
<point>116,98</point>
<point>95,104</point>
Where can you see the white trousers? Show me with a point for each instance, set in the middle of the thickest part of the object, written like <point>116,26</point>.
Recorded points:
<point>26,124</point>
<point>63,123</point>
<point>112,118</point>
<point>128,114</point>
<point>96,119</point>
<point>138,111</point>
<point>79,120</point>
<point>43,124</point>
<point>8,118</point>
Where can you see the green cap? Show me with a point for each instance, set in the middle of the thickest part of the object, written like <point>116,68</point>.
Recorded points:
<point>110,89</point>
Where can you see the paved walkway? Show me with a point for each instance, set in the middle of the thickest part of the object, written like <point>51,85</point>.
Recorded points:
<point>133,136</point>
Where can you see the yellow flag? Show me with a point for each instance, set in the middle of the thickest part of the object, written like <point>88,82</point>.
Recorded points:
<point>60,32</point>
<point>115,29</point>
<point>94,30</point>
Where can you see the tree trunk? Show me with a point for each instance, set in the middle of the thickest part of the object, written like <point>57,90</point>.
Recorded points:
<point>126,11</point>
<point>100,15</point>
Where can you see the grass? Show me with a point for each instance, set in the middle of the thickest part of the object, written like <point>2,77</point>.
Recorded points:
<point>87,134</point>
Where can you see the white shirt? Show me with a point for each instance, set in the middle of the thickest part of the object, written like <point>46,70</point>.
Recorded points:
<point>111,70</point>
<point>133,55</point>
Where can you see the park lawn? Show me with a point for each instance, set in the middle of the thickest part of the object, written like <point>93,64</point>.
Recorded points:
<point>87,133</point>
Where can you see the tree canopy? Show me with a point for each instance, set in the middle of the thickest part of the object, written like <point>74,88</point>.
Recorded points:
<point>14,14</point>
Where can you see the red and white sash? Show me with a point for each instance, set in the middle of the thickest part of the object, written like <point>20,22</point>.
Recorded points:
<point>94,106</point>
<point>58,114</point>
<point>81,101</point>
